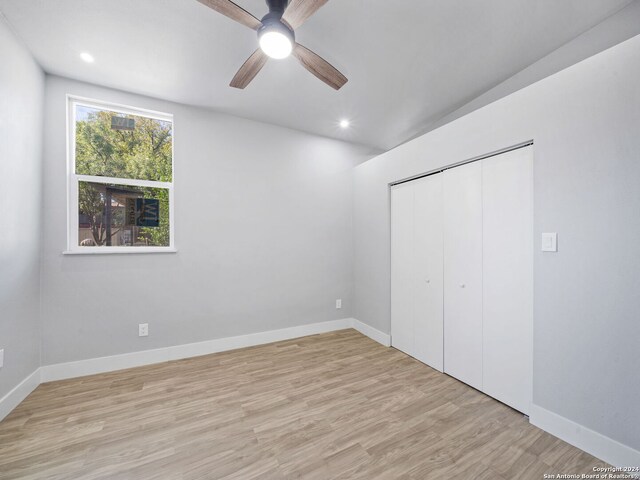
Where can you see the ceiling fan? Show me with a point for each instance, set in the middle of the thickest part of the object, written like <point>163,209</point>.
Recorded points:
<point>276,37</point>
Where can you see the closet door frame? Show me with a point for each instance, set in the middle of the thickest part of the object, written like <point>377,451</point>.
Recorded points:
<point>528,143</point>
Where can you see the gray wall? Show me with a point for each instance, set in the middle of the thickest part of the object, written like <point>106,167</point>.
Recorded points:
<point>21,103</point>
<point>263,223</point>
<point>585,122</point>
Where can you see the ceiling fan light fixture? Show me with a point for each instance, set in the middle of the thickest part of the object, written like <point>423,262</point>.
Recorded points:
<point>276,45</point>
<point>276,39</point>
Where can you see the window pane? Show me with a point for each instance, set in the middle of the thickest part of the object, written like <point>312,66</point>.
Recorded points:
<point>122,216</point>
<point>112,144</point>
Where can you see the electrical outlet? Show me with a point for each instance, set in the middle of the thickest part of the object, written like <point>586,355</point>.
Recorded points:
<point>143,330</point>
<point>339,303</point>
<point>1,357</point>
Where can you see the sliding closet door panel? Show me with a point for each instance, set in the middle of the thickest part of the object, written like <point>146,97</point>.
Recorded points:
<point>428,273</point>
<point>402,268</point>
<point>507,193</point>
<point>463,273</point>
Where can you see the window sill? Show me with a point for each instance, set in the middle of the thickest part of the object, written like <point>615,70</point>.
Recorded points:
<point>119,250</point>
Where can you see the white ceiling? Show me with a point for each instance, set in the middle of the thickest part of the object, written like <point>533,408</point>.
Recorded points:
<point>409,62</point>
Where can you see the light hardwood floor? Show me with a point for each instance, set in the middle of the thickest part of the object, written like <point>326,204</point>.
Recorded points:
<point>331,406</point>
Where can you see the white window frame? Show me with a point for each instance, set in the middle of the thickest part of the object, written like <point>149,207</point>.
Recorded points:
<point>73,179</point>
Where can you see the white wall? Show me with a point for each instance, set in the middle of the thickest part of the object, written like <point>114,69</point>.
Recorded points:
<point>585,122</point>
<point>21,103</point>
<point>263,227</point>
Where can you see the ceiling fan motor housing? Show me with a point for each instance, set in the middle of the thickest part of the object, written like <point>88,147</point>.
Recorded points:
<point>277,6</point>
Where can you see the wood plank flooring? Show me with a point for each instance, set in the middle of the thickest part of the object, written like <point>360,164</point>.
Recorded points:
<point>331,406</point>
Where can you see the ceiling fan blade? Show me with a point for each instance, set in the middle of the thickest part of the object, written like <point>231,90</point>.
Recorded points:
<point>319,67</point>
<point>299,11</point>
<point>234,12</point>
<point>249,69</point>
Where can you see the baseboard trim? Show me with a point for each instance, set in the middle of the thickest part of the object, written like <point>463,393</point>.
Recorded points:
<point>371,332</point>
<point>21,391</point>
<point>91,366</point>
<point>598,445</point>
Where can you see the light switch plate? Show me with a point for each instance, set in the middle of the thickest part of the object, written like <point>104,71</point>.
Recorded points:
<point>549,242</point>
<point>1,358</point>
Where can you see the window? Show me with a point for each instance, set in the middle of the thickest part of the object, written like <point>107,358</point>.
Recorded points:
<point>120,179</point>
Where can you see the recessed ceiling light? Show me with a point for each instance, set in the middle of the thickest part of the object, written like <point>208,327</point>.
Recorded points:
<point>87,57</point>
<point>345,123</point>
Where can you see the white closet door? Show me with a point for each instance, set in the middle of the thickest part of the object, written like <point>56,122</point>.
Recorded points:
<point>507,193</point>
<point>463,273</point>
<point>402,268</point>
<point>428,273</point>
